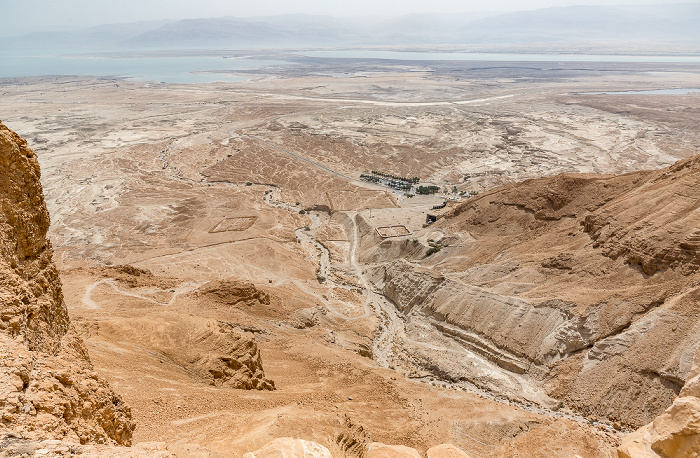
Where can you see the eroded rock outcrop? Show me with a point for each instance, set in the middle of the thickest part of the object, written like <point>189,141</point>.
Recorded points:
<point>216,352</point>
<point>674,433</point>
<point>234,293</point>
<point>510,331</point>
<point>48,389</point>
<point>22,448</point>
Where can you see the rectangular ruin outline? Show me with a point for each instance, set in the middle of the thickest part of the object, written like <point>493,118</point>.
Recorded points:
<point>385,236</point>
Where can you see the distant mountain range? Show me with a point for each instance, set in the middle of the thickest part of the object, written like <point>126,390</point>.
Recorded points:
<point>574,24</point>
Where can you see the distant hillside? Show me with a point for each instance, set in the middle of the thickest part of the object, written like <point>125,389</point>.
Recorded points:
<point>576,24</point>
<point>292,30</point>
<point>101,37</point>
<point>588,23</point>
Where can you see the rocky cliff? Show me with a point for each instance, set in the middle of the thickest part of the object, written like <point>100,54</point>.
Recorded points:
<point>508,330</point>
<point>48,389</point>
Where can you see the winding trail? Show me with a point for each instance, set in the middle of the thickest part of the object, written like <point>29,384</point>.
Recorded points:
<point>91,304</point>
<point>392,329</point>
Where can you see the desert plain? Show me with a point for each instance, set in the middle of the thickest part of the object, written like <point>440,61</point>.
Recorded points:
<point>174,206</point>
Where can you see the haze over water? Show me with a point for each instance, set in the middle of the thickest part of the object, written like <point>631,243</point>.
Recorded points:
<point>185,69</point>
<point>497,57</point>
<point>207,68</point>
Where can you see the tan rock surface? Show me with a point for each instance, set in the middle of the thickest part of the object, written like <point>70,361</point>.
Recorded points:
<point>637,445</point>
<point>379,450</point>
<point>216,352</point>
<point>446,451</point>
<point>233,293</point>
<point>656,227</point>
<point>14,447</point>
<point>48,389</point>
<point>287,447</point>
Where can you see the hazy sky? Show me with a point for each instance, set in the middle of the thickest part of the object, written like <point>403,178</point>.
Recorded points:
<point>22,16</point>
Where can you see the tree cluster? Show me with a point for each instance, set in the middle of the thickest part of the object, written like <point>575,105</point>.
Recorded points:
<point>427,189</point>
<point>414,180</point>
<point>370,178</point>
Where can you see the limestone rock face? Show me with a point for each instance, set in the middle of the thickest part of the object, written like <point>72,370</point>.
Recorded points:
<point>32,303</point>
<point>378,450</point>
<point>288,447</point>
<point>48,389</point>
<point>228,357</point>
<point>674,433</point>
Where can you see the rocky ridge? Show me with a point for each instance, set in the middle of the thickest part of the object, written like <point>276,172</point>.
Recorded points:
<point>566,280</point>
<point>521,332</point>
<point>48,389</point>
<point>654,227</point>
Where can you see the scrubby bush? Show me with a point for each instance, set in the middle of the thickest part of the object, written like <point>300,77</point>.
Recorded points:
<point>434,248</point>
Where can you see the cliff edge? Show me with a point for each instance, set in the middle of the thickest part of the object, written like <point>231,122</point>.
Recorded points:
<point>48,389</point>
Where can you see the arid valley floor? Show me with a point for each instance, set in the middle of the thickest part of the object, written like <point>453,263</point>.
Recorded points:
<point>241,204</point>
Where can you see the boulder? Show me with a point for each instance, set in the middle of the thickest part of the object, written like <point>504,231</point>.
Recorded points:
<point>379,450</point>
<point>446,451</point>
<point>287,447</point>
